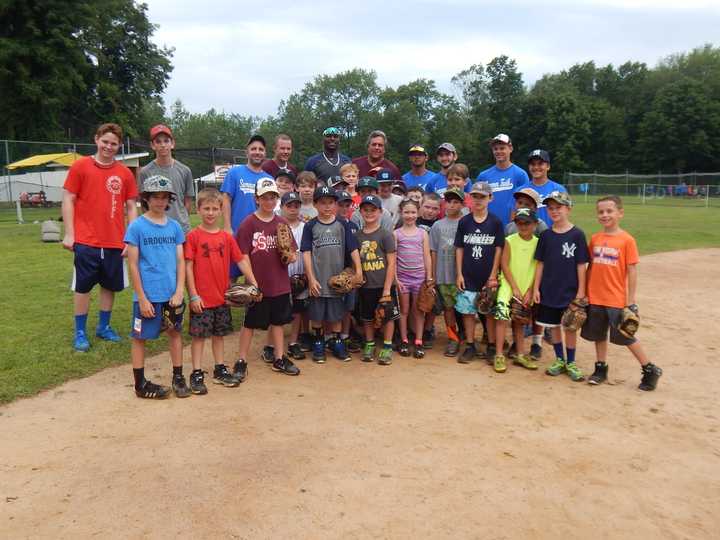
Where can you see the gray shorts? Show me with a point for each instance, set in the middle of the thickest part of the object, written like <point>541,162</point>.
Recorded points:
<point>599,319</point>
<point>325,309</point>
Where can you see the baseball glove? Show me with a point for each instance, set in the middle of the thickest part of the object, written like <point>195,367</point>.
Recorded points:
<point>172,315</point>
<point>243,294</point>
<point>298,284</point>
<point>575,315</point>
<point>630,321</point>
<point>344,282</point>
<point>486,300</point>
<point>426,297</point>
<point>519,312</point>
<point>383,311</point>
<point>285,243</point>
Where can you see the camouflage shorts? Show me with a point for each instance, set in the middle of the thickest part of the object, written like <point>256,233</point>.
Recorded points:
<point>215,321</point>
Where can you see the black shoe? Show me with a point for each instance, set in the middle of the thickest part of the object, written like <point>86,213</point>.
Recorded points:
<point>285,365</point>
<point>150,390</point>
<point>240,371</point>
<point>221,375</point>
<point>295,352</point>
<point>535,351</point>
<point>512,351</point>
<point>180,387</point>
<point>650,375</point>
<point>468,355</point>
<point>197,382</point>
<point>599,376</point>
<point>489,354</point>
<point>428,339</point>
<point>306,342</point>
<point>404,349</point>
<point>419,351</point>
<point>268,354</point>
<point>353,345</point>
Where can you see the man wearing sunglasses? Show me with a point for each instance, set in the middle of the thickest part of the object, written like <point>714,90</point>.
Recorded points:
<point>328,162</point>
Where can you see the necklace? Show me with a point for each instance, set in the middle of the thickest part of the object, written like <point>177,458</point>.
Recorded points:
<point>330,162</point>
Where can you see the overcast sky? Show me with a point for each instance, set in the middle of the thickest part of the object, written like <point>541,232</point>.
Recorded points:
<point>244,57</point>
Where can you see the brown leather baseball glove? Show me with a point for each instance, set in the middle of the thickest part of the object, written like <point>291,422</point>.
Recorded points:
<point>243,294</point>
<point>285,243</point>
<point>575,315</point>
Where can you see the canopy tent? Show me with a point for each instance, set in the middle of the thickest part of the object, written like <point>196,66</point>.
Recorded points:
<point>66,159</point>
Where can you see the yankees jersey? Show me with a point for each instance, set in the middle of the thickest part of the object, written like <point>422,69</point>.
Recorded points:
<point>329,244</point>
<point>560,253</point>
<point>478,242</point>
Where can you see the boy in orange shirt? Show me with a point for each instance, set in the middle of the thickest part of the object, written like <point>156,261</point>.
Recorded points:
<point>611,285</point>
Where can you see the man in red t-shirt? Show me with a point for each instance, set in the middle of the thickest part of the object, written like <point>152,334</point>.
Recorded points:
<point>282,151</point>
<point>375,161</point>
<point>99,192</point>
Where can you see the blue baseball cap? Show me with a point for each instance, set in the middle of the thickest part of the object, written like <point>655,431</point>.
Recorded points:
<point>371,199</point>
<point>291,196</point>
<point>324,191</point>
<point>384,175</point>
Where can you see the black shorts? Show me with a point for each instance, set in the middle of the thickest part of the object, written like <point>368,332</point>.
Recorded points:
<point>272,311</point>
<point>299,305</point>
<point>599,320</point>
<point>216,321</point>
<point>94,266</point>
<point>368,300</point>
<point>549,316</point>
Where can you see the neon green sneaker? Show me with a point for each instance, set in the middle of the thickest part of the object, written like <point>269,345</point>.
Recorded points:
<point>525,361</point>
<point>385,356</point>
<point>368,352</point>
<point>574,372</point>
<point>556,368</point>
<point>499,364</point>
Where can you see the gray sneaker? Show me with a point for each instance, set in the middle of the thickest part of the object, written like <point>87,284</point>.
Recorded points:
<point>452,348</point>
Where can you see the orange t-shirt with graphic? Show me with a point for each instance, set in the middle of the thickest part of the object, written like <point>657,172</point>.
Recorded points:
<point>610,255</point>
<point>100,195</point>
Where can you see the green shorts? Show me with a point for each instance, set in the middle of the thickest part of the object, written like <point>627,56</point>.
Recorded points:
<point>448,295</point>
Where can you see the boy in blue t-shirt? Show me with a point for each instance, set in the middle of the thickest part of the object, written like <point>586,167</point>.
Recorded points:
<point>478,245</point>
<point>157,270</point>
<point>538,167</point>
<point>562,256</point>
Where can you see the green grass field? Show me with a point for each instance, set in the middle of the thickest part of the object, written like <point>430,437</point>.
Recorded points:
<point>37,304</point>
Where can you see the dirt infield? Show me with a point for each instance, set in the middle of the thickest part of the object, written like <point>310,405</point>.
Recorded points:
<point>422,448</point>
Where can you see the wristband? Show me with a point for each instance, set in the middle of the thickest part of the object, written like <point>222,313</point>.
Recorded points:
<point>194,298</point>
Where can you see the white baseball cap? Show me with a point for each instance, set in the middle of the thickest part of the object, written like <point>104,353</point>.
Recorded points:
<point>266,185</point>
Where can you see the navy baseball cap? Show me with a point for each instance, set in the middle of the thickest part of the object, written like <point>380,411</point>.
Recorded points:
<point>539,154</point>
<point>287,174</point>
<point>399,184</point>
<point>292,196</point>
<point>343,195</point>
<point>256,138</point>
<point>324,191</point>
<point>367,182</point>
<point>384,175</point>
<point>335,180</point>
<point>371,199</point>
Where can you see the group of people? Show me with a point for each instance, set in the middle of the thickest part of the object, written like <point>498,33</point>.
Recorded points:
<point>504,231</point>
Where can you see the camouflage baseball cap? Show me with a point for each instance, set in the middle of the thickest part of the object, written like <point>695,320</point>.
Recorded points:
<point>559,197</point>
<point>454,193</point>
<point>158,184</point>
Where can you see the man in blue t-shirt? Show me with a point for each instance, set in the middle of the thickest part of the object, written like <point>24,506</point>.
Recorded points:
<point>238,187</point>
<point>418,175</point>
<point>504,177</point>
<point>328,162</point>
<point>538,166</point>
<point>446,155</point>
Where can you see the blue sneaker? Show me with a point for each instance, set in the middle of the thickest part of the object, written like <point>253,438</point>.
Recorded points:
<point>340,351</point>
<point>108,334</point>
<point>318,351</point>
<point>81,343</point>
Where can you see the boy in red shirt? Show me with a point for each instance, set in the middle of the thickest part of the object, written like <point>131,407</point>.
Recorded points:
<point>611,285</point>
<point>98,194</point>
<point>209,251</point>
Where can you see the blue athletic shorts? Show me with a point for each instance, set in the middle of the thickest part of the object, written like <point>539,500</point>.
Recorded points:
<point>150,328</point>
<point>94,266</point>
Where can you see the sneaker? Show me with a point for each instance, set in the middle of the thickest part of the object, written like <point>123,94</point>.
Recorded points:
<point>468,355</point>
<point>81,343</point>
<point>574,372</point>
<point>452,348</point>
<point>499,364</point>
<point>180,387</point>
<point>368,352</point>
<point>512,351</point>
<point>599,376</point>
<point>197,382</point>
<point>525,361</point>
<point>650,375</point>
<point>221,375</point>
<point>318,351</point>
<point>556,368</point>
<point>489,355</point>
<point>428,339</point>
<point>419,351</point>
<point>535,351</point>
<point>295,352</point>
<point>285,365</point>
<point>150,390</point>
<point>404,349</point>
<point>268,354</point>
<point>240,371</point>
<point>340,351</point>
<point>306,342</point>
<point>353,345</point>
<point>108,334</point>
<point>385,356</point>
<point>329,344</point>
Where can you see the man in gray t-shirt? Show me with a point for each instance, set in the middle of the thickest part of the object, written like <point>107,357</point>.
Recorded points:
<point>179,175</point>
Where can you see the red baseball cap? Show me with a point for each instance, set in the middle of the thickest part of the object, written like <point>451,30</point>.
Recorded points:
<point>157,130</point>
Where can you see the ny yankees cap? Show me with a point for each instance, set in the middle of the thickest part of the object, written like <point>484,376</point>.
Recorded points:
<point>289,197</point>
<point>266,185</point>
<point>501,138</point>
<point>559,197</point>
<point>384,176</point>
<point>324,191</point>
<point>525,214</point>
<point>539,154</point>
<point>371,199</point>
<point>343,195</point>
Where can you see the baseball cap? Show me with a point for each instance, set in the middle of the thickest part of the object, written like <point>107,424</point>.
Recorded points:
<point>454,192</point>
<point>539,154</point>
<point>286,173</point>
<point>324,191</point>
<point>559,197</point>
<point>266,185</point>
<point>290,196</point>
<point>417,149</point>
<point>525,214</point>
<point>367,182</point>
<point>399,184</point>
<point>157,183</point>
<point>256,138</point>
<point>371,199</point>
<point>529,192</point>
<point>482,188</point>
<point>158,129</point>
<point>450,147</point>
<point>331,131</point>
<point>384,175</point>
<point>501,138</point>
<point>335,180</point>
<point>343,195</point>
